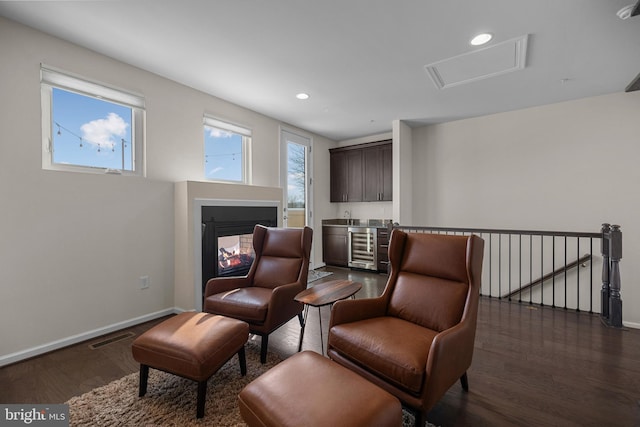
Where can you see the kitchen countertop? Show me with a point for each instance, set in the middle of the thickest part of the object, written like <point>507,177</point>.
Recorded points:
<point>353,222</point>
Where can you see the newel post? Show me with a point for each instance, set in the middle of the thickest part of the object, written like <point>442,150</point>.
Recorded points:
<point>615,254</point>
<point>604,292</point>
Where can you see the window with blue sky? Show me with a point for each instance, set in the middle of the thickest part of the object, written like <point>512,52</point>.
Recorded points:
<point>225,151</point>
<point>91,132</point>
<point>90,127</point>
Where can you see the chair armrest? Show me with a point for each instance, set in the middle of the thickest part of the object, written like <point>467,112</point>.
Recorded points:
<point>453,346</point>
<point>225,284</point>
<point>449,357</point>
<point>286,292</point>
<point>352,310</point>
<point>282,306</point>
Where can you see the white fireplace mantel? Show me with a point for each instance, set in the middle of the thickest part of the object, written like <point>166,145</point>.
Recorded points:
<point>189,198</point>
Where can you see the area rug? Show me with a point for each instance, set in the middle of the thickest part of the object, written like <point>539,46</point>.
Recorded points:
<point>171,401</point>
<point>316,275</point>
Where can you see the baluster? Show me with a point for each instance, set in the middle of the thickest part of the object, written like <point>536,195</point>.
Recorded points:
<point>615,254</point>
<point>604,292</point>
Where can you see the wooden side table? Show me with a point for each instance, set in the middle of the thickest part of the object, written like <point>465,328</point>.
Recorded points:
<point>324,294</point>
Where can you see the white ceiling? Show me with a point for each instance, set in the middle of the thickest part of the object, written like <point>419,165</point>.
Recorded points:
<point>362,61</point>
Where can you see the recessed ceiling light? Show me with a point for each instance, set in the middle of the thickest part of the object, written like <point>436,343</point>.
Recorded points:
<point>302,95</point>
<point>481,39</point>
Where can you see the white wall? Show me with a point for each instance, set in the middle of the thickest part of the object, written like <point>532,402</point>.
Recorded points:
<point>402,173</point>
<point>73,246</point>
<point>568,167</point>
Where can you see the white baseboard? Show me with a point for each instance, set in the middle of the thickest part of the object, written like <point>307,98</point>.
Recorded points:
<point>632,325</point>
<point>74,339</point>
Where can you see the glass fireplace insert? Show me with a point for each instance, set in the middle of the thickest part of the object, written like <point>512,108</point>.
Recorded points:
<point>227,238</point>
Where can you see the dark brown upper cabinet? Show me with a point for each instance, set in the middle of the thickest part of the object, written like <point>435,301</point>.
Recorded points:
<point>377,168</point>
<point>346,176</point>
<point>361,173</point>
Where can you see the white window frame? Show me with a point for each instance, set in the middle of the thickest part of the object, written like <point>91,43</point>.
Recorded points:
<point>246,134</point>
<point>50,78</point>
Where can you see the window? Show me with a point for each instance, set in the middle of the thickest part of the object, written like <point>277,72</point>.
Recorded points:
<point>226,151</point>
<point>89,127</point>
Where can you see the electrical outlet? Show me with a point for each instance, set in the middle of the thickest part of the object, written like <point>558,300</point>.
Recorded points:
<point>144,282</point>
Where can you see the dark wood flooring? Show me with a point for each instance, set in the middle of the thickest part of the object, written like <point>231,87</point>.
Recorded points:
<point>532,366</point>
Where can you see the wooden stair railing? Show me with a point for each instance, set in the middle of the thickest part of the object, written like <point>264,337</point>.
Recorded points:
<point>506,253</point>
<point>561,270</point>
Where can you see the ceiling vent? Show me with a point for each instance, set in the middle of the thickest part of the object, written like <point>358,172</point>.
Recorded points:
<point>490,61</point>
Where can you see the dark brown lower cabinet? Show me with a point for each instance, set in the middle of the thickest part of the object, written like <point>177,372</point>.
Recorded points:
<point>383,250</point>
<point>335,246</point>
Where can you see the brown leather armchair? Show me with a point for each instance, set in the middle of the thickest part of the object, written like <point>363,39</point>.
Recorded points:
<point>264,297</point>
<point>416,339</point>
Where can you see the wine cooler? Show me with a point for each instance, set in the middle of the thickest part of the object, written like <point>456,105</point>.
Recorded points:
<point>363,248</point>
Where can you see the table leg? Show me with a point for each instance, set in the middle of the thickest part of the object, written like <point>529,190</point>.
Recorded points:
<point>304,323</point>
<point>321,339</point>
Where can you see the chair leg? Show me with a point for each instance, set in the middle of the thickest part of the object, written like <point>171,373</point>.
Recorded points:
<point>464,382</point>
<point>263,349</point>
<point>144,375</point>
<point>420,418</point>
<point>243,361</point>
<point>202,397</point>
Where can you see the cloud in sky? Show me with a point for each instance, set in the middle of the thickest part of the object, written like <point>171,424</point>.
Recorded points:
<point>104,132</point>
<point>218,133</point>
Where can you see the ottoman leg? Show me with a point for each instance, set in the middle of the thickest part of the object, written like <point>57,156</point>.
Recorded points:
<point>202,397</point>
<point>243,361</point>
<point>144,375</point>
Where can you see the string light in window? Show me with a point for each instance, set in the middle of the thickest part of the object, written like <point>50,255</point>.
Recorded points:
<point>81,139</point>
<point>233,156</point>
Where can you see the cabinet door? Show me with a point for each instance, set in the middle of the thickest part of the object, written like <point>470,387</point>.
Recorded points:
<point>371,172</point>
<point>338,177</point>
<point>378,173</point>
<point>335,246</point>
<point>354,178</point>
<point>386,172</point>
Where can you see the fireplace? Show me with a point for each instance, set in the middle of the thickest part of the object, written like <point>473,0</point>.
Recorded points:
<point>227,238</point>
<point>235,255</point>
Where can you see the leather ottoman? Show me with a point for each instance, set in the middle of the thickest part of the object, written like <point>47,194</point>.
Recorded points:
<point>191,345</point>
<point>312,391</point>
